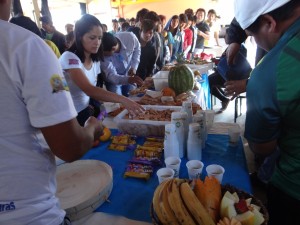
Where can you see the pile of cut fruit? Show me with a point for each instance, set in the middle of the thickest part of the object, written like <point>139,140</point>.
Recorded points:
<point>197,202</point>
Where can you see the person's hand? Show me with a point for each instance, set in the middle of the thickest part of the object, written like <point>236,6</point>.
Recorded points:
<point>235,87</point>
<point>133,108</point>
<point>135,80</point>
<point>95,124</point>
<point>231,52</point>
<point>131,72</point>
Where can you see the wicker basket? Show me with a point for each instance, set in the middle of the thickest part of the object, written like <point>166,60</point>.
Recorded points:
<point>154,218</point>
<point>231,189</point>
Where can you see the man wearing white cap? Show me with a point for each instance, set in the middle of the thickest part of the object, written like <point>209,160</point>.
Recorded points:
<point>273,97</point>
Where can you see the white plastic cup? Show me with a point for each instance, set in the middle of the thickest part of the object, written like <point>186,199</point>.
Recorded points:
<point>195,168</point>
<point>216,171</point>
<point>173,163</point>
<point>165,174</point>
<point>234,135</point>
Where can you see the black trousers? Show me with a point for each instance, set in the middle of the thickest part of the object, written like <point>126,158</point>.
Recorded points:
<point>283,209</point>
<point>216,83</point>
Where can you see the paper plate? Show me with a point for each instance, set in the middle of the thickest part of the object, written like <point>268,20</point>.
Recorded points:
<point>82,186</point>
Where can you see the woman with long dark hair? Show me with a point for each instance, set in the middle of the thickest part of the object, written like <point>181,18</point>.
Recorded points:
<point>81,65</point>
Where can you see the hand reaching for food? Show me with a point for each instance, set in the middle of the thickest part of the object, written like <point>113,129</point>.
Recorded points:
<point>135,80</point>
<point>133,107</point>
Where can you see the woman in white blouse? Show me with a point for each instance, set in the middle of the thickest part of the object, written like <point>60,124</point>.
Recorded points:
<point>81,65</point>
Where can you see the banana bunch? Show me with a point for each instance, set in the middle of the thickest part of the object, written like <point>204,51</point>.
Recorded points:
<point>175,203</point>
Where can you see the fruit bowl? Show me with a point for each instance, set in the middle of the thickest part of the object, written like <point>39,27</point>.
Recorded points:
<point>224,188</point>
<point>245,195</point>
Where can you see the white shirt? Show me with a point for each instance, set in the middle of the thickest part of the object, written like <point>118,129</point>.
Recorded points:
<point>211,42</point>
<point>32,95</point>
<point>69,60</point>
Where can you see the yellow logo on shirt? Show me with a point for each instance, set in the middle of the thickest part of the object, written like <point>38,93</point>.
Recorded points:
<point>58,83</point>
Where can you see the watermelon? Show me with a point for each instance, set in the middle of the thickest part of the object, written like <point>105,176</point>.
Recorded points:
<point>181,79</point>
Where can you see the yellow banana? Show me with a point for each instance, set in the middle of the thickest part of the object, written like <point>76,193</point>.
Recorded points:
<point>194,206</point>
<point>155,202</point>
<point>165,208</point>
<point>176,204</point>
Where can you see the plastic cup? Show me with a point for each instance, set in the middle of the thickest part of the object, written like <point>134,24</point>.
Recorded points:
<point>173,163</point>
<point>165,174</point>
<point>234,135</point>
<point>195,168</point>
<point>210,116</point>
<point>216,171</point>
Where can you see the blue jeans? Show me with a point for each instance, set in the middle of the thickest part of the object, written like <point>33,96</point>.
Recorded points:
<point>119,89</point>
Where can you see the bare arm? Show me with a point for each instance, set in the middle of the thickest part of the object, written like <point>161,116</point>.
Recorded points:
<point>205,35</point>
<point>69,141</point>
<point>231,52</point>
<point>79,78</point>
<point>216,36</point>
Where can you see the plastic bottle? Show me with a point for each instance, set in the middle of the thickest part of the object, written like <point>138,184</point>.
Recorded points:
<point>186,129</point>
<point>187,107</point>
<point>200,119</point>
<point>171,146</point>
<point>177,120</point>
<point>205,122</point>
<point>194,148</point>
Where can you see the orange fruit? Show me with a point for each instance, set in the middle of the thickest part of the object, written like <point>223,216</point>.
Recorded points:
<point>106,134</point>
<point>167,91</point>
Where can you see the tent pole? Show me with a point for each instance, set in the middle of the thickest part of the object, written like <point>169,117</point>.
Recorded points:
<point>37,13</point>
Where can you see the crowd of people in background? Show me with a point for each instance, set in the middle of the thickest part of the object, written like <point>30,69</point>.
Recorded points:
<point>133,50</point>
<point>184,35</point>
<point>181,34</point>
<point>160,41</point>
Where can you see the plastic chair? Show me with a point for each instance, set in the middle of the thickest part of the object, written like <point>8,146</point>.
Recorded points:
<point>237,105</point>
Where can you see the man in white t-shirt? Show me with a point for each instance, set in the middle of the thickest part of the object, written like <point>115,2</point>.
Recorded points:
<point>35,101</point>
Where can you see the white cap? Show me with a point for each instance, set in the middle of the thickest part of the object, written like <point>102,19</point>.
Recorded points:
<point>247,11</point>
